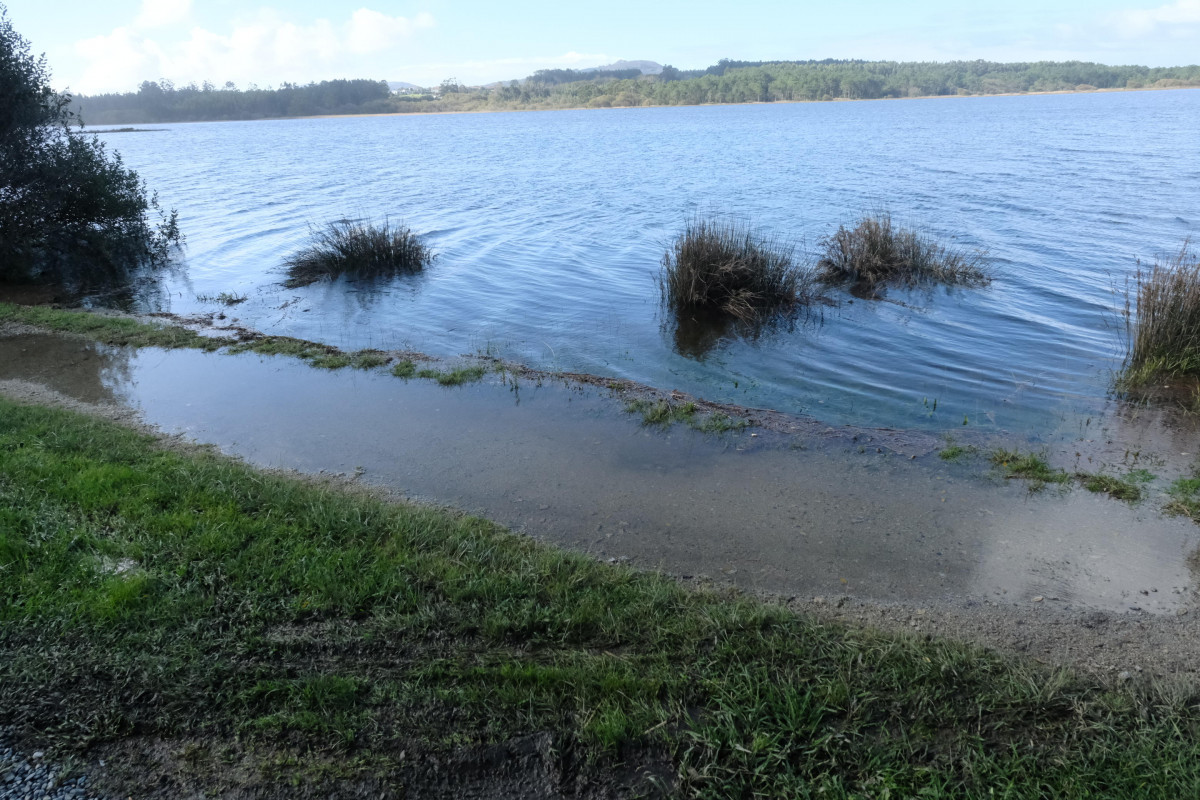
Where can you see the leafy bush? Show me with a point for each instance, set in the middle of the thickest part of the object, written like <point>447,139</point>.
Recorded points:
<point>877,252</point>
<point>727,267</point>
<point>360,249</point>
<point>70,212</point>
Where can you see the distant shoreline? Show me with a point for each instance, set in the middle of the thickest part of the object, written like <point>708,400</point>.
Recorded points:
<point>689,105</point>
<point>755,103</point>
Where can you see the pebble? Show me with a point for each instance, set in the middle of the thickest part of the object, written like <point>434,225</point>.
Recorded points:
<point>33,778</point>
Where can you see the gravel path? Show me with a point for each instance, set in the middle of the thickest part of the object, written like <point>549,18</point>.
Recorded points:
<point>28,776</point>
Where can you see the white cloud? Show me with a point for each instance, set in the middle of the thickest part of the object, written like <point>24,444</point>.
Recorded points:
<point>1172,19</point>
<point>372,32</point>
<point>489,71</point>
<point>265,48</point>
<point>160,13</point>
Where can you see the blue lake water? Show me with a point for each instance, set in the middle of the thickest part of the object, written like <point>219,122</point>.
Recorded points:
<point>550,229</point>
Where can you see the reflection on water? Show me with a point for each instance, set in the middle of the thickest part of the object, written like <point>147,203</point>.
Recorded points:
<point>568,466</point>
<point>87,371</point>
<point>698,333</point>
<point>551,228</point>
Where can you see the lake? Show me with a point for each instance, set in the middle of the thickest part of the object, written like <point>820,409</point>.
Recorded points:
<point>551,226</point>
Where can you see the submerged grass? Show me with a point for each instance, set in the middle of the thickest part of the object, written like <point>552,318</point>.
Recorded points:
<point>877,252</point>
<point>404,369</point>
<point>953,451</point>
<point>1034,468</point>
<point>1127,488</point>
<point>223,298</point>
<point>1185,498</point>
<point>664,413</point>
<point>1028,466</point>
<point>726,267</point>
<point>1162,320</point>
<point>452,377</point>
<point>361,249</point>
<point>260,608</point>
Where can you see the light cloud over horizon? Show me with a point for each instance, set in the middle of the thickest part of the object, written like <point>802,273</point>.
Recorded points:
<point>265,47</point>
<point>116,45</point>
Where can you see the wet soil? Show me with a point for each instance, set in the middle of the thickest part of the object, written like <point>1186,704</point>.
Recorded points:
<point>826,514</point>
<point>845,525</point>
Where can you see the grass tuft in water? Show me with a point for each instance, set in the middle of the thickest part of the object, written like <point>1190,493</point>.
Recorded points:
<point>665,413</point>
<point>726,267</point>
<point>369,359</point>
<point>954,451</point>
<point>360,249</point>
<point>453,377</point>
<point>877,252</point>
<point>1121,488</point>
<point>1162,320</point>
<point>1028,466</point>
<point>404,369</point>
<point>661,412</point>
<point>717,422</point>
<point>1185,498</point>
<point>224,298</point>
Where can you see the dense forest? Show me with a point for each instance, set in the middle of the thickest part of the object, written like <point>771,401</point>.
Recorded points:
<point>725,82</point>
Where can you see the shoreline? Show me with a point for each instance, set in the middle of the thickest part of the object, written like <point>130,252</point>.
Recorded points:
<point>423,650</point>
<point>626,108</point>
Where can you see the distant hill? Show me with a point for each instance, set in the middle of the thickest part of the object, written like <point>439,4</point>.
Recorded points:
<point>396,86</point>
<point>647,67</point>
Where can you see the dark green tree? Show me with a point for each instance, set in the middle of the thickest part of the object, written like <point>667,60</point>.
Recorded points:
<point>70,212</point>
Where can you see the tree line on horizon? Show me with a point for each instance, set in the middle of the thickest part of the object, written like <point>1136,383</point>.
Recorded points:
<point>727,81</point>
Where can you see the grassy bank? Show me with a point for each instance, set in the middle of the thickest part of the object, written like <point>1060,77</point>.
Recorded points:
<point>147,592</point>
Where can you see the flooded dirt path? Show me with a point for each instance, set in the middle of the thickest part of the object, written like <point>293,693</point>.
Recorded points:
<point>769,513</point>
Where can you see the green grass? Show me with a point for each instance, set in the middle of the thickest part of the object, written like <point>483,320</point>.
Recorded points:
<point>1034,468</point>
<point>665,413</point>
<point>263,609</point>
<point>1028,466</point>
<point>956,452</point>
<point>1121,488</point>
<point>370,359</point>
<point>404,369</point>
<point>716,422</point>
<point>110,330</point>
<point>1185,498</point>
<point>453,377</point>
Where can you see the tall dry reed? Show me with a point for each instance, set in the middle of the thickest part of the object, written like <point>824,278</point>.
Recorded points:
<point>726,267</point>
<point>878,252</point>
<point>358,248</point>
<point>1162,319</point>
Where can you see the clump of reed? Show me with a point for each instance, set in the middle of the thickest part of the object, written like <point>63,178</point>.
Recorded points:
<point>358,248</point>
<point>728,268</point>
<point>1162,319</point>
<point>878,252</point>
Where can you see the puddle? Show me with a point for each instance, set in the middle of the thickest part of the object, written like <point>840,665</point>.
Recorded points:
<point>568,466</point>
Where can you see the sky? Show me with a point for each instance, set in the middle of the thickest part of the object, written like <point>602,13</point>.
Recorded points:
<point>114,45</point>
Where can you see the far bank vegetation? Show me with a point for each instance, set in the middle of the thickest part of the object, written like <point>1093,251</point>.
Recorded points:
<point>727,81</point>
